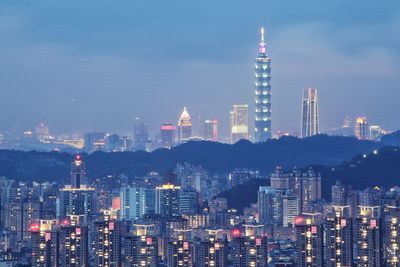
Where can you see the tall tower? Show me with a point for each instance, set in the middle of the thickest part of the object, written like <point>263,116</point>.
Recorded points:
<point>184,126</point>
<point>361,128</point>
<point>78,172</point>
<point>309,116</point>
<point>262,93</point>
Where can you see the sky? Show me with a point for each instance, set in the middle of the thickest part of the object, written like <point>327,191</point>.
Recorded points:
<point>97,65</point>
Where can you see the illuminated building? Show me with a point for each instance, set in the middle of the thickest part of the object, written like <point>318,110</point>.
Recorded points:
<point>361,128</point>
<point>44,242</point>
<point>309,239</point>
<point>210,131</point>
<point>77,198</point>
<point>133,202</point>
<point>184,127</point>
<point>270,202</point>
<point>239,123</point>
<point>309,116</point>
<point>73,246</point>
<point>167,200</point>
<point>211,251</point>
<point>167,135</point>
<point>367,236</point>
<point>310,188</point>
<point>291,208</point>
<point>339,194</point>
<point>391,236</point>
<point>179,252</point>
<point>42,132</point>
<point>262,82</point>
<point>140,136</point>
<point>188,201</point>
<point>140,250</point>
<point>107,241</point>
<point>250,250</point>
<point>338,237</point>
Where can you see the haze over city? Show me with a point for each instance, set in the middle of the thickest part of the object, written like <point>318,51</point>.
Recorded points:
<point>97,65</point>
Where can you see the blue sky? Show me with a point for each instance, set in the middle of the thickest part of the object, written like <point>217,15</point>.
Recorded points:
<point>96,64</point>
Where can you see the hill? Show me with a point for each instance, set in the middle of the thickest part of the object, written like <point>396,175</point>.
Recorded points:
<point>215,157</point>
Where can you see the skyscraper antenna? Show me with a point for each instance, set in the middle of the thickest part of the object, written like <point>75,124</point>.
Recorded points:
<point>262,34</point>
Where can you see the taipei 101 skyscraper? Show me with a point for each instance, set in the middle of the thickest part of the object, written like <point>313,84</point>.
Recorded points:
<point>262,77</point>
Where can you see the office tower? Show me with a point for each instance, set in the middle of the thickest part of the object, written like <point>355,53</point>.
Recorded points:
<point>167,200</point>
<point>94,141</point>
<point>338,232</point>
<point>361,128</point>
<point>188,201</point>
<point>107,241</point>
<point>167,135</point>
<point>375,133</point>
<point>133,202</point>
<point>270,205</point>
<point>126,143</point>
<point>210,130</point>
<point>140,250</point>
<point>179,252</point>
<point>309,240</point>
<point>262,69</point>
<point>391,236</point>
<point>291,208</point>
<point>310,188</point>
<point>239,123</point>
<point>31,212</point>
<point>339,194</point>
<point>211,251</point>
<point>73,246</point>
<point>367,235</point>
<point>249,251</point>
<point>309,115</point>
<point>44,242</point>
<point>184,127</point>
<point>76,198</point>
<point>140,135</point>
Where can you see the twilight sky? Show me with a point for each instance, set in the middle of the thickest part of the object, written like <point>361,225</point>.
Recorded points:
<point>97,64</point>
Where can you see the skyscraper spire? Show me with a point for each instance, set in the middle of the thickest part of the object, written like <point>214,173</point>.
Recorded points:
<point>262,47</point>
<point>262,34</point>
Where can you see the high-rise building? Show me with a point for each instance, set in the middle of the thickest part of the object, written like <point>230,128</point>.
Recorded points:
<point>211,251</point>
<point>375,133</point>
<point>74,246</point>
<point>140,250</point>
<point>309,115</point>
<point>167,200</point>
<point>210,130</point>
<point>338,233</point>
<point>361,128</point>
<point>167,135</point>
<point>309,239</point>
<point>133,202</point>
<point>239,123</point>
<point>77,198</point>
<point>291,208</point>
<point>184,126</point>
<point>339,194</point>
<point>180,252</point>
<point>262,82</point>
<point>140,135</point>
<point>310,188</point>
<point>249,250</point>
<point>391,236</point>
<point>367,237</point>
<point>44,242</point>
<point>188,201</point>
<point>270,205</point>
<point>107,241</point>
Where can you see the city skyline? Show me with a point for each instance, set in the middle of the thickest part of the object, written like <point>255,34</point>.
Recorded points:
<point>55,74</point>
